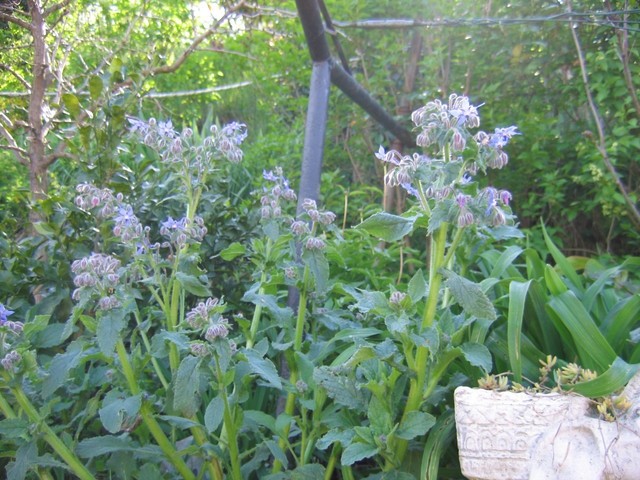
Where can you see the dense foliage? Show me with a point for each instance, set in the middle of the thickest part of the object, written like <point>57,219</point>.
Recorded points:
<point>161,296</point>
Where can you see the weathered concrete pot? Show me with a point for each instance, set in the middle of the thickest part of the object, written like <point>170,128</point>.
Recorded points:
<point>525,436</point>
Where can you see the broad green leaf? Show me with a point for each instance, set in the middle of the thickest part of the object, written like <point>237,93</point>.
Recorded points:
<point>264,368</point>
<point>270,302</point>
<point>517,297</point>
<point>192,285</point>
<point>179,422</point>
<point>477,355</point>
<point>95,87</point>
<point>261,418</point>
<point>277,452</point>
<point>387,227</point>
<point>343,437</point>
<point>72,104</point>
<point>116,410</point>
<point>417,288</point>
<point>36,325</point>
<point>356,452</point>
<point>341,388</point>
<point>310,471</point>
<point>379,416</point>
<point>13,427</point>
<point>214,413</point>
<point>43,228</point>
<point>109,327</point>
<point>612,380</point>
<point>318,267</point>
<point>234,250</point>
<point>415,424</point>
<point>159,343</point>
<point>59,368</point>
<point>25,458</point>
<point>442,213</point>
<point>96,446</point>
<point>469,296</point>
<point>185,396</point>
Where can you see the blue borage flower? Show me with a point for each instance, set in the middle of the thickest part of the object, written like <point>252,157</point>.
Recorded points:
<point>4,313</point>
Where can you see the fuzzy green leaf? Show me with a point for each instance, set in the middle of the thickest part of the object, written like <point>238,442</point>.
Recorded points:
<point>13,427</point>
<point>477,355</point>
<point>185,396</point>
<point>264,368</point>
<point>193,285</point>
<point>59,368</point>
<point>234,250</point>
<point>415,424</point>
<point>25,458</point>
<point>116,410</point>
<point>109,327</point>
<point>417,288</point>
<point>214,413</point>
<point>341,388</point>
<point>318,267</point>
<point>356,452</point>
<point>469,296</point>
<point>387,227</point>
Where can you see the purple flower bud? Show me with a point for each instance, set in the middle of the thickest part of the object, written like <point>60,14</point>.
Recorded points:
<point>314,243</point>
<point>396,298</point>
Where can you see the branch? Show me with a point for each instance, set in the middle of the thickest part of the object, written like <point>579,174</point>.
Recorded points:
<point>602,145</point>
<point>15,74</point>
<point>20,153</point>
<point>15,20</point>
<point>55,8</point>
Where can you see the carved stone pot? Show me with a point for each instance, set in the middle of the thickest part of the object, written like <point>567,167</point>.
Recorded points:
<point>526,436</point>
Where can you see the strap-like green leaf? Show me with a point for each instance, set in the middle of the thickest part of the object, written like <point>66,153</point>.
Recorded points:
<point>561,261</point>
<point>615,378</point>
<point>517,298</point>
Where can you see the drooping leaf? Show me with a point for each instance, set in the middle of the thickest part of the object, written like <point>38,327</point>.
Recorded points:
<point>477,355</point>
<point>264,368</point>
<point>109,327</point>
<point>214,413</point>
<point>193,285</point>
<point>318,267</point>
<point>270,302</point>
<point>357,451</point>
<point>469,296</point>
<point>13,427</point>
<point>236,249</point>
<point>96,446</point>
<point>341,388</point>
<point>72,104</point>
<point>415,424</point>
<point>116,409</point>
<point>25,457</point>
<point>58,370</point>
<point>185,396</point>
<point>343,437</point>
<point>387,227</point>
<point>417,288</point>
<point>612,380</point>
<point>95,87</point>
<point>310,471</point>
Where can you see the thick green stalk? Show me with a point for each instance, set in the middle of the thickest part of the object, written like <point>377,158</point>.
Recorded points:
<point>149,420</point>
<point>50,437</point>
<point>416,387</point>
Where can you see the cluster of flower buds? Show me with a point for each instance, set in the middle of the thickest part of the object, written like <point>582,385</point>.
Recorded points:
<point>97,274</point>
<point>218,329</point>
<point>179,147</point>
<point>102,201</point>
<point>11,360</point>
<point>272,197</point>
<point>13,327</point>
<point>199,316</point>
<point>445,179</point>
<point>440,121</point>
<point>183,231</point>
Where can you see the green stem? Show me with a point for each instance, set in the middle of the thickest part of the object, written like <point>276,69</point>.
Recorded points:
<point>416,387</point>
<point>230,426</point>
<point>333,459</point>
<point>50,437</point>
<point>147,345</point>
<point>149,420</point>
<point>257,313</point>
<point>297,347</point>
<point>213,465</point>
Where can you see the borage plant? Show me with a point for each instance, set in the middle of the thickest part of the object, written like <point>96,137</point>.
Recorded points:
<point>398,380</point>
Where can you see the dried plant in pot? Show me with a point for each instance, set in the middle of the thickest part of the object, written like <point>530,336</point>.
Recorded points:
<point>540,433</point>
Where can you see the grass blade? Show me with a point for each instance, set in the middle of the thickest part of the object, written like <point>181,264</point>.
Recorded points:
<point>612,380</point>
<point>562,262</point>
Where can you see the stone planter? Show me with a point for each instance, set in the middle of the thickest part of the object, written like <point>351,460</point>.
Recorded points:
<point>521,436</point>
